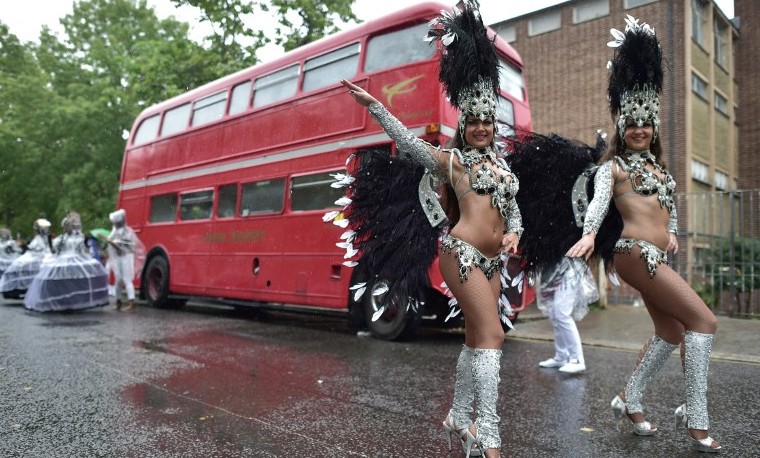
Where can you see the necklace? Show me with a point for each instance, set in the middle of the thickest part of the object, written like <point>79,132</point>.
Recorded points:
<point>646,182</point>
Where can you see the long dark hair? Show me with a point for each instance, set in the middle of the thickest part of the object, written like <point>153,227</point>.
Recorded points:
<point>617,148</point>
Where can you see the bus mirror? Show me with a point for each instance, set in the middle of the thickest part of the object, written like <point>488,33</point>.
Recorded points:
<point>431,129</point>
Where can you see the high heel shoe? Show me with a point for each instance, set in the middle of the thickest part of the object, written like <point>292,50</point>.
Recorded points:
<point>619,409</point>
<point>470,443</point>
<point>701,445</point>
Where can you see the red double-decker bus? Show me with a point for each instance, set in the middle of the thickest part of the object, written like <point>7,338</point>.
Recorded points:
<point>226,185</point>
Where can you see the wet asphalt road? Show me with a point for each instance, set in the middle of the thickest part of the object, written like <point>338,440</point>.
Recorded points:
<point>207,382</point>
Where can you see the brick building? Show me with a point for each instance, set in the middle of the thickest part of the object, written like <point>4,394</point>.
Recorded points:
<point>565,55</point>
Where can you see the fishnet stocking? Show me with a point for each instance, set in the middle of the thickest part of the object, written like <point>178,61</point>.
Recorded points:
<point>478,299</point>
<point>672,304</point>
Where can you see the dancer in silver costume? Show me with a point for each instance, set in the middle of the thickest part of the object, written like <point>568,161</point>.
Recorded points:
<point>633,176</point>
<point>489,223</point>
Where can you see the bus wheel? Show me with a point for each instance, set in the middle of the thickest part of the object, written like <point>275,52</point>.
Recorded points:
<point>398,321</point>
<point>157,284</point>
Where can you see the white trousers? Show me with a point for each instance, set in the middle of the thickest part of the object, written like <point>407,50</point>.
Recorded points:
<point>124,272</point>
<point>567,340</point>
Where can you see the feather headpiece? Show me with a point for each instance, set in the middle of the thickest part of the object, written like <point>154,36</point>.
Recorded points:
<point>469,66</point>
<point>635,75</point>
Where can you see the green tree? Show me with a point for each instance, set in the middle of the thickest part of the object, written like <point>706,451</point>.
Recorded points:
<point>230,19</point>
<point>316,19</point>
<point>733,265</point>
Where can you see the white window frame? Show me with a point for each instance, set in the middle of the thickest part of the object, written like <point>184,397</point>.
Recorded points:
<point>628,4</point>
<point>699,22</point>
<point>699,86</point>
<point>721,103</point>
<point>545,23</point>
<point>700,171</point>
<point>590,10</point>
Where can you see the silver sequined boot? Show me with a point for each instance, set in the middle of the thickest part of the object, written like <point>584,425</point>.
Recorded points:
<point>655,354</point>
<point>458,421</point>
<point>485,370</point>
<point>693,414</point>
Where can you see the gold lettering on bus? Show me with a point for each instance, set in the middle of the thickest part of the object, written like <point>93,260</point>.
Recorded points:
<point>412,115</point>
<point>234,237</point>
<point>402,87</point>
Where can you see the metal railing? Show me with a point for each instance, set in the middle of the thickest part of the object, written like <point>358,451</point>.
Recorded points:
<point>719,251</point>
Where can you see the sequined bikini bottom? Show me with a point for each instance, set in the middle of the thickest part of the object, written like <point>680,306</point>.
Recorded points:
<point>467,256</point>
<point>652,255</point>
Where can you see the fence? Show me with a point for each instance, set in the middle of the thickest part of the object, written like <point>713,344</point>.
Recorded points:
<point>719,251</point>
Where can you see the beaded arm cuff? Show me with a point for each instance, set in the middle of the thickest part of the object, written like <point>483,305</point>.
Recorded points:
<point>673,223</point>
<point>597,208</point>
<point>513,223</point>
<point>405,140</point>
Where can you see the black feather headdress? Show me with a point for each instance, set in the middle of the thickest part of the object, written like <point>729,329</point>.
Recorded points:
<point>635,75</point>
<point>469,66</point>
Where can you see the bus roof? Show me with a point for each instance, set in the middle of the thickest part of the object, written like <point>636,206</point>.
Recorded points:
<point>408,15</point>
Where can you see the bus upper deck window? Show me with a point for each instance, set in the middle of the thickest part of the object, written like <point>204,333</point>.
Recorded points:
<point>147,131</point>
<point>209,108</point>
<point>175,120</point>
<point>241,97</point>
<point>276,86</point>
<point>511,80</point>
<point>398,48</point>
<point>330,68</point>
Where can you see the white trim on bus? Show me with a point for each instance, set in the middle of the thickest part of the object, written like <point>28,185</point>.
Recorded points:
<point>271,158</point>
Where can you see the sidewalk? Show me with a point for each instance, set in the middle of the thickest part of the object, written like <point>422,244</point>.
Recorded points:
<point>628,327</point>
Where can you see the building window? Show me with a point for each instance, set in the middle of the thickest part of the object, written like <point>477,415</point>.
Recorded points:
<point>628,4</point>
<point>721,43</point>
<point>721,104</point>
<point>699,22</point>
<point>699,86</point>
<point>590,10</point>
<point>545,23</point>
<point>508,33</point>
<point>700,171</point>
<point>721,181</point>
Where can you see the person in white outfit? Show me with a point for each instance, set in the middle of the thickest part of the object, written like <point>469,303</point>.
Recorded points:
<point>121,256</point>
<point>564,294</point>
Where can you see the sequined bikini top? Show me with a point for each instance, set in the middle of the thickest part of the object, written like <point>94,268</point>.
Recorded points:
<point>485,181</point>
<point>645,182</point>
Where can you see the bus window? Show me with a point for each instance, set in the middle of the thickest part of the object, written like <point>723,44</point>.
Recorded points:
<point>505,117</point>
<point>241,97</point>
<point>330,68</point>
<point>195,205</point>
<point>263,197</point>
<point>511,80</point>
<point>209,108</point>
<point>227,201</point>
<point>275,86</point>
<point>147,131</point>
<point>175,120</point>
<point>398,48</point>
<point>163,209</point>
<point>313,192</point>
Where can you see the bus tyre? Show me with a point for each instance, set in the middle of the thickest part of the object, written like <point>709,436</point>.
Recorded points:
<point>156,283</point>
<point>398,320</point>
